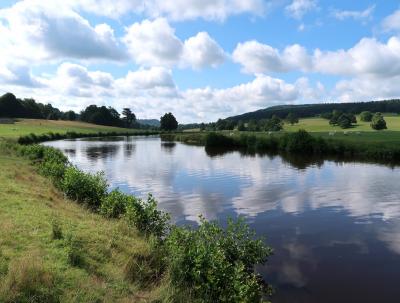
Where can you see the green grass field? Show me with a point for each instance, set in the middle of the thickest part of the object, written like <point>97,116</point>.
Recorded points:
<point>361,132</point>
<point>24,127</point>
<point>36,267</point>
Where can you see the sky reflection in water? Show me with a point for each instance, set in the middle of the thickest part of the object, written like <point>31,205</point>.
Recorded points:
<point>335,227</point>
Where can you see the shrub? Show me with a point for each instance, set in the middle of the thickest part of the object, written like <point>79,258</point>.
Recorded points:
<point>366,116</point>
<point>28,280</point>
<point>75,252</point>
<point>115,203</point>
<point>216,265</point>
<point>378,122</point>
<point>145,216</point>
<point>216,139</point>
<point>84,187</point>
<point>56,230</point>
<point>298,142</point>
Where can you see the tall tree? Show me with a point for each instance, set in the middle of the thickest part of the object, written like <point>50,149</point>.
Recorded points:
<point>292,118</point>
<point>378,122</point>
<point>168,122</point>
<point>128,117</point>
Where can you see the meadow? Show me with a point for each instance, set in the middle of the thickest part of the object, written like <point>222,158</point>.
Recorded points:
<point>23,127</point>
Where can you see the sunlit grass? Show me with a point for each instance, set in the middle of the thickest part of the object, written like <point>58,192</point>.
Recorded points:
<point>24,127</point>
<point>28,205</point>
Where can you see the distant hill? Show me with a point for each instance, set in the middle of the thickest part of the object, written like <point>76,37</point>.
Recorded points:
<point>151,122</point>
<point>312,110</point>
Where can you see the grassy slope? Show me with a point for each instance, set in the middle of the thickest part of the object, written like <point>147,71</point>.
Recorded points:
<point>29,203</point>
<point>26,126</point>
<point>362,132</point>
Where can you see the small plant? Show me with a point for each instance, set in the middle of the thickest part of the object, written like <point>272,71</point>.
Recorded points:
<point>75,253</point>
<point>145,216</point>
<point>85,188</point>
<point>56,230</point>
<point>115,203</point>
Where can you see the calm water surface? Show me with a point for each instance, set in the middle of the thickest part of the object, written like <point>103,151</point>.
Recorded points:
<point>335,227</point>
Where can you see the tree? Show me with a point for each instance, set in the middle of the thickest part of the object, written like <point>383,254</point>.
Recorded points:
<point>344,121</point>
<point>292,118</point>
<point>129,118</point>
<point>11,107</point>
<point>168,122</point>
<point>252,125</point>
<point>335,117</point>
<point>274,124</point>
<point>241,127</point>
<point>366,116</point>
<point>378,122</point>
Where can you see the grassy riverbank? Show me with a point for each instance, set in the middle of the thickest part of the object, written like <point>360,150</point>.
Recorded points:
<point>34,262</point>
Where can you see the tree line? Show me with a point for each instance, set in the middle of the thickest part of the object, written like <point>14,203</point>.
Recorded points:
<point>13,107</point>
<point>312,110</point>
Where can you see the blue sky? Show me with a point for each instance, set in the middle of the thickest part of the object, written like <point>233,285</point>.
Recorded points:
<point>200,59</point>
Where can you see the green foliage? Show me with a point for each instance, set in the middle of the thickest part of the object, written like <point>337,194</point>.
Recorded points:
<point>168,122</point>
<point>29,281</point>
<point>84,188</point>
<point>144,215</point>
<point>241,127</point>
<point>274,124</point>
<point>292,118</point>
<point>344,121</point>
<point>216,139</point>
<point>75,251</point>
<point>114,205</point>
<point>378,122</point>
<point>298,142</point>
<point>366,116</point>
<point>56,230</point>
<point>216,264</point>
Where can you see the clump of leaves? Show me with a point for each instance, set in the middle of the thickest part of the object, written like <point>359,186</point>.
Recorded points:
<point>216,264</point>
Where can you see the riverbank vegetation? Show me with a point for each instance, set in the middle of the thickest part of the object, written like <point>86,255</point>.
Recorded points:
<point>109,246</point>
<point>368,146</point>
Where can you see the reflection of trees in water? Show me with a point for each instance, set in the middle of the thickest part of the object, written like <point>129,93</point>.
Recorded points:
<point>129,149</point>
<point>102,151</point>
<point>70,151</point>
<point>104,139</point>
<point>168,146</point>
<point>301,161</point>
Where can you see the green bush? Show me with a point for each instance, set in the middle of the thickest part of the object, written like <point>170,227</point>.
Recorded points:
<point>56,230</point>
<point>144,215</point>
<point>75,252</point>
<point>378,122</point>
<point>115,203</point>
<point>215,139</point>
<point>84,187</point>
<point>216,264</point>
<point>366,116</point>
<point>298,142</point>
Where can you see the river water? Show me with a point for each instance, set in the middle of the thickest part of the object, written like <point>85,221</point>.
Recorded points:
<point>334,226</point>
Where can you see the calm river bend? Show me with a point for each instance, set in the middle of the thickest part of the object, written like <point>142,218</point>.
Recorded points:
<point>334,227</point>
